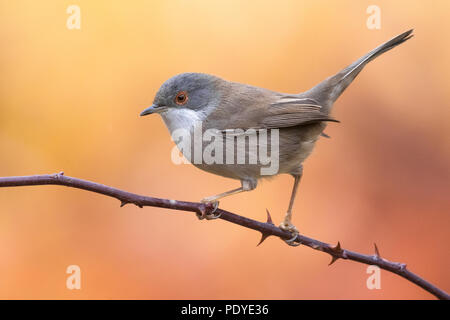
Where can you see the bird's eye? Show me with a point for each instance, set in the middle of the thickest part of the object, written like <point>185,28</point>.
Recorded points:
<point>181,98</point>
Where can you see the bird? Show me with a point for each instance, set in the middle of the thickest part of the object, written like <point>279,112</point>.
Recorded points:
<point>234,110</point>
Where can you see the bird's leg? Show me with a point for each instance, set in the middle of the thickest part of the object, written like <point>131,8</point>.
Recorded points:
<point>222,195</point>
<point>287,222</point>
<point>247,185</point>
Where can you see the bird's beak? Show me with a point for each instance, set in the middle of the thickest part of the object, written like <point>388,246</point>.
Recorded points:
<point>152,109</point>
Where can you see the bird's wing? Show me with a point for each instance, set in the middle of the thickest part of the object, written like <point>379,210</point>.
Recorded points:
<point>287,111</point>
<point>290,112</point>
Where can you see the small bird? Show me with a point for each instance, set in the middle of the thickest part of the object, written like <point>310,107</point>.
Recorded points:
<point>233,109</point>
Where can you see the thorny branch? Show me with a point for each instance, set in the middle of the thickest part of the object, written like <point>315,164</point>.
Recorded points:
<point>267,229</point>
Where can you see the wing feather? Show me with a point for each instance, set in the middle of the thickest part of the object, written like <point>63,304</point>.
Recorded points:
<point>293,112</point>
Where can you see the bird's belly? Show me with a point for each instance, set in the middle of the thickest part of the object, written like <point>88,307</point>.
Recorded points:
<point>233,171</point>
<point>295,144</point>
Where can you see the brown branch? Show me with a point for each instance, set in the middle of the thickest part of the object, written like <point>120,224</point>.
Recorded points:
<point>266,229</point>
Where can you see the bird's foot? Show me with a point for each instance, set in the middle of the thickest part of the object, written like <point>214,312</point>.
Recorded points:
<point>289,227</point>
<point>209,212</point>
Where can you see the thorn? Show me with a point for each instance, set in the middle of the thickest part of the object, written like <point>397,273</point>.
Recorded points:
<point>269,218</point>
<point>264,236</point>
<point>337,250</point>
<point>123,203</point>
<point>333,260</point>
<point>58,175</point>
<point>377,253</point>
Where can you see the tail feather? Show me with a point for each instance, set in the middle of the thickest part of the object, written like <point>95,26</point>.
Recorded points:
<point>327,92</point>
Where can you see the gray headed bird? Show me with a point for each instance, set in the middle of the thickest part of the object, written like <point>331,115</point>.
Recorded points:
<point>232,111</point>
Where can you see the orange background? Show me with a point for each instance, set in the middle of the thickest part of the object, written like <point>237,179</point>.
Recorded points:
<point>70,100</point>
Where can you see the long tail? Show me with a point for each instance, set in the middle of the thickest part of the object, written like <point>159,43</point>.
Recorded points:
<point>327,92</point>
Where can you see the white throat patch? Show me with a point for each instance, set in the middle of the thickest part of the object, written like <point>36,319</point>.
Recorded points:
<point>181,118</point>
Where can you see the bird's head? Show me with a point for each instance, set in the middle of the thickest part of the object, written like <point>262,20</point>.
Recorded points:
<point>189,92</point>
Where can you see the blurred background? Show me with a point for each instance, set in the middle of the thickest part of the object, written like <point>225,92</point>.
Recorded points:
<point>70,101</point>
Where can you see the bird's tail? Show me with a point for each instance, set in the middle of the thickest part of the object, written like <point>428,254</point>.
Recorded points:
<point>327,92</point>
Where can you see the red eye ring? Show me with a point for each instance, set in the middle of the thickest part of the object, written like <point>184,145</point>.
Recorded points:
<point>181,98</point>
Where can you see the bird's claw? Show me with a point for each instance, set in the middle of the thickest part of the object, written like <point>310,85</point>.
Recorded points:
<point>289,227</point>
<point>209,211</point>
<point>291,242</point>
